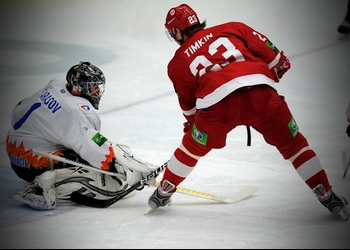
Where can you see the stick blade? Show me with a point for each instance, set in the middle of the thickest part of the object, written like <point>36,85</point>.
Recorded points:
<point>242,194</point>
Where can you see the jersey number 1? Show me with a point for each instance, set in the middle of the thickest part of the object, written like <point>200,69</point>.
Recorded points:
<point>26,115</point>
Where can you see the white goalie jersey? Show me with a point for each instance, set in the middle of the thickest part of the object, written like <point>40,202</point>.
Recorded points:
<point>53,119</point>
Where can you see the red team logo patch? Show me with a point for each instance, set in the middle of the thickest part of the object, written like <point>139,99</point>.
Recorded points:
<point>85,107</point>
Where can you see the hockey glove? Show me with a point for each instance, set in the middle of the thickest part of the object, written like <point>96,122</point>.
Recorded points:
<point>187,126</point>
<point>281,67</point>
<point>348,130</point>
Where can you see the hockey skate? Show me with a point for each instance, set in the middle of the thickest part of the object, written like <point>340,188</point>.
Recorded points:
<point>39,194</point>
<point>162,195</point>
<point>336,205</point>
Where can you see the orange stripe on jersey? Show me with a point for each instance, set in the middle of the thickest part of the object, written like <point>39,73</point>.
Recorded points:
<point>105,165</point>
<point>33,160</point>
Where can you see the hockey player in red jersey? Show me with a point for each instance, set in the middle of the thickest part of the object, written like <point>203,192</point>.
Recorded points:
<point>224,77</point>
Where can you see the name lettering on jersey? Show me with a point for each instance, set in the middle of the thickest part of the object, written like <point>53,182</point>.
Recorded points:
<point>18,161</point>
<point>197,45</point>
<point>50,102</point>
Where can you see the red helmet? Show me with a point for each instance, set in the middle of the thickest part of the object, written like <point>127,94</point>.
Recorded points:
<point>181,17</point>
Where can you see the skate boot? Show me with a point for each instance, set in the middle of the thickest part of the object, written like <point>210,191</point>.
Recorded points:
<point>161,196</point>
<point>335,204</point>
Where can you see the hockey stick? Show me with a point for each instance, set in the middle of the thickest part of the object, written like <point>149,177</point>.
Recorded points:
<point>346,163</point>
<point>242,194</point>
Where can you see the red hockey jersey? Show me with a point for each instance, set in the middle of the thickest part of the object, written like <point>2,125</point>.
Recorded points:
<point>215,61</point>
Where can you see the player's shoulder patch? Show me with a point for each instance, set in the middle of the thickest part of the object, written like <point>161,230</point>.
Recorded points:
<point>84,106</point>
<point>293,127</point>
<point>99,139</point>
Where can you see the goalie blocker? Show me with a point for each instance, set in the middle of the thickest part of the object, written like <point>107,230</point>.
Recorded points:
<point>74,183</point>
